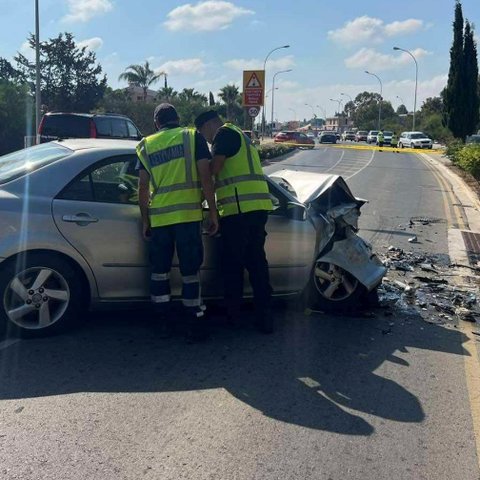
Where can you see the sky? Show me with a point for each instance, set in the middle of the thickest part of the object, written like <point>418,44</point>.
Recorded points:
<point>206,45</point>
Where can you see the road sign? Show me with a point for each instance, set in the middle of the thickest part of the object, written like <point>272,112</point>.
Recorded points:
<point>253,111</point>
<point>253,88</point>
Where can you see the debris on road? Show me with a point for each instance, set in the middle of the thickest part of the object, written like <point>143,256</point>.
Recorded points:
<point>413,239</point>
<point>418,283</point>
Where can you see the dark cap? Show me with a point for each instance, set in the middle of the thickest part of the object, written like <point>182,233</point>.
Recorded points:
<point>165,113</point>
<point>205,117</point>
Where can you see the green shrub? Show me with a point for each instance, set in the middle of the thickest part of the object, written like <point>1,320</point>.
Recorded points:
<point>270,151</point>
<point>453,148</point>
<point>468,158</point>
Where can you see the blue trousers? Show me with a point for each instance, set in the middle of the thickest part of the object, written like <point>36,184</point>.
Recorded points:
<point>186,239</point>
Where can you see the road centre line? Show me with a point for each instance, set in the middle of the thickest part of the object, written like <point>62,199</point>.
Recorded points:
<point>471,360</point>
<point>364,167</point>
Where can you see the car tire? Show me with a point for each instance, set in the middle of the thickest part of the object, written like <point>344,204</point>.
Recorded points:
<point>430,147</point>
<point>347,297</point>
<point>48,290</point>
<point>400,145</point>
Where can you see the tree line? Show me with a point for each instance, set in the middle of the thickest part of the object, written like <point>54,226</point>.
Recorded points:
<point>73,80</point>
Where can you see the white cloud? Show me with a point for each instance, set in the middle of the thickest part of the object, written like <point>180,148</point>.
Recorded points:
<point>91,43</point>
<point>204,16</point>
<point>84,10</point>
<point>27,51</point>
<point>400,28</point>
<point>374,60</point>
<point>281,63</point>
<point>185,66</point>
<point>369,30</point>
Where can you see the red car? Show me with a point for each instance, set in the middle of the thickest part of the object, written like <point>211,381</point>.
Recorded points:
<point>297,138</point>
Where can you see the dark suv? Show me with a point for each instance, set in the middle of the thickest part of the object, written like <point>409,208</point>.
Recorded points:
<point>86,125</point>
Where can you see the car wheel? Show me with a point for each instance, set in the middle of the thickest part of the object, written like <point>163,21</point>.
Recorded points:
<point>41,295</point>
<point>401,145</point>
<point>333,289</point>
<point>430,147</point>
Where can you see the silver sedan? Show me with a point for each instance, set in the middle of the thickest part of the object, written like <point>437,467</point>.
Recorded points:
<point>70,238</point>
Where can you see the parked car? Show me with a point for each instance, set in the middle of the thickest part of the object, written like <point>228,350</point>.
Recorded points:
<point>339,137</point>
<point>414,140</point>
<point>372,136</point>
<point>361,136</point>
<point>327,137</point>
<point>349,135</point>
<point>473,139</point>
<point>296,138</point>
<point>310,135</point>
<point>387,137</point>
<point>57,125</point>
<point>71,237</point>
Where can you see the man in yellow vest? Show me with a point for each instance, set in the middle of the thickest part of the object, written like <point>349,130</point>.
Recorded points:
<point>174,170</point>
<point>243,202</point>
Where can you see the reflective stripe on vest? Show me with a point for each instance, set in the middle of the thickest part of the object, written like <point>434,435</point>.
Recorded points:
<point>241,186</point>
<point>169,158</point>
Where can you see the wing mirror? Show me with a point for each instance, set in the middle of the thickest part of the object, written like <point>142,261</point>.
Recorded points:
<point>296,211</point>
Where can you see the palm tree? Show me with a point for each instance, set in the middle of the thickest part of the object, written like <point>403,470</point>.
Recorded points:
<point>230,95</point>
<point>142,76</point>
<point>190,95</point>
<point>167,94</point>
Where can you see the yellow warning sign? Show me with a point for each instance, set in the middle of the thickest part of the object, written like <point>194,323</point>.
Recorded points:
<point>253,88</point>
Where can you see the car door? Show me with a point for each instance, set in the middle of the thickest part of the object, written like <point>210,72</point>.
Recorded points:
<point>98,214</point>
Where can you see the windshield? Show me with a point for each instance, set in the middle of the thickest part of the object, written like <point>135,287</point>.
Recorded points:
<point>386,133</point>
<point>25,161</point>
<point>418,135</point>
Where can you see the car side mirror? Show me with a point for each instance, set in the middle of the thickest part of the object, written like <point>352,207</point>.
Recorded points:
<point>296,211</point>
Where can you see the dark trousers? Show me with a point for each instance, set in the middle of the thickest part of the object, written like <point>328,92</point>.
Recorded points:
<point>186,238</point>
<point>243,247</point>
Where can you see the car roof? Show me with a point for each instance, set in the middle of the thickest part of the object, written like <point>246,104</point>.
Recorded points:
<point>77,144</point>
<point>86,115</point>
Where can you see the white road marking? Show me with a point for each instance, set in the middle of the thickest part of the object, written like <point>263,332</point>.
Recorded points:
<point>364,167</point>
<point>341,158</point>
<point>8,343</point>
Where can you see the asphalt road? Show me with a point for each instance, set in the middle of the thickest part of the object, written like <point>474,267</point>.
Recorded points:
<point>323,398</point>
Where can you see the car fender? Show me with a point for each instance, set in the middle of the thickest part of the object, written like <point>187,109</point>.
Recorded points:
<point>55,243</point>
<point>355,255</point>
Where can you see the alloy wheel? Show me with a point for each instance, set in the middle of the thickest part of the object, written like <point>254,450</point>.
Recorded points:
<point>36,298</point>
<point>333,282</point>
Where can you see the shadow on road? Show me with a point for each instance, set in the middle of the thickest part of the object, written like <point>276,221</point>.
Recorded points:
<point>317,371</point>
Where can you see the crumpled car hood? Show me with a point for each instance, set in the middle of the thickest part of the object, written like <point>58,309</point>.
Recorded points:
<point>322,190</point>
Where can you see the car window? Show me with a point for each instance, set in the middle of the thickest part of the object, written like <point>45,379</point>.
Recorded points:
<point>104,126</point>
<point>132,130</point>
<point>25,161</point>
<point>119,128</point>
<point>66,126</point>
<point>110,181</point>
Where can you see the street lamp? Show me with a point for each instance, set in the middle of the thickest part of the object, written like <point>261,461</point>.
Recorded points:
<point>381,97</point>
<point>264,69</point>
<point>323,111</point>
<point>273,90</point>
<point>416,82</point>
<point>38,99</point>
<point>347,95</point>
<point>265,106</point>
<point>401,99</point>
<point>339,101</point>
<point>294,113</point>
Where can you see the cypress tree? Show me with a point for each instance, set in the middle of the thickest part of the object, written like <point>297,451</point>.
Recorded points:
<point>470,66</point>
<point>453,96</point>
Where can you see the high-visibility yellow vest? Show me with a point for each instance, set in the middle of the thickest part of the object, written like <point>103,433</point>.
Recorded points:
<point>169,158</point>
<point>241,186</point>
<point>380,137</point>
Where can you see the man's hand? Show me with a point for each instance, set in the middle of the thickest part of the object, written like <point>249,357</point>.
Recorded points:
<point>147,231</point>
<point>213,224</point>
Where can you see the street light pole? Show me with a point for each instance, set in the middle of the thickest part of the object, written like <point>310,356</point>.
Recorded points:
<point>339,102</point>
<point>294,113</point>
<point>273,90</point>
<point>38,99</point>
<point>416,82</point>
<point>347,95</point>
<point>381,97</point>
<point>264,96</point>
<point>401,99</point>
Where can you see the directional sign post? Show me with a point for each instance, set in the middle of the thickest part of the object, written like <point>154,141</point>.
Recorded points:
<point>253,88</point>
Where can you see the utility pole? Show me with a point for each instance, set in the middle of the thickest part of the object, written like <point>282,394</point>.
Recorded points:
<point>38,94</point>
